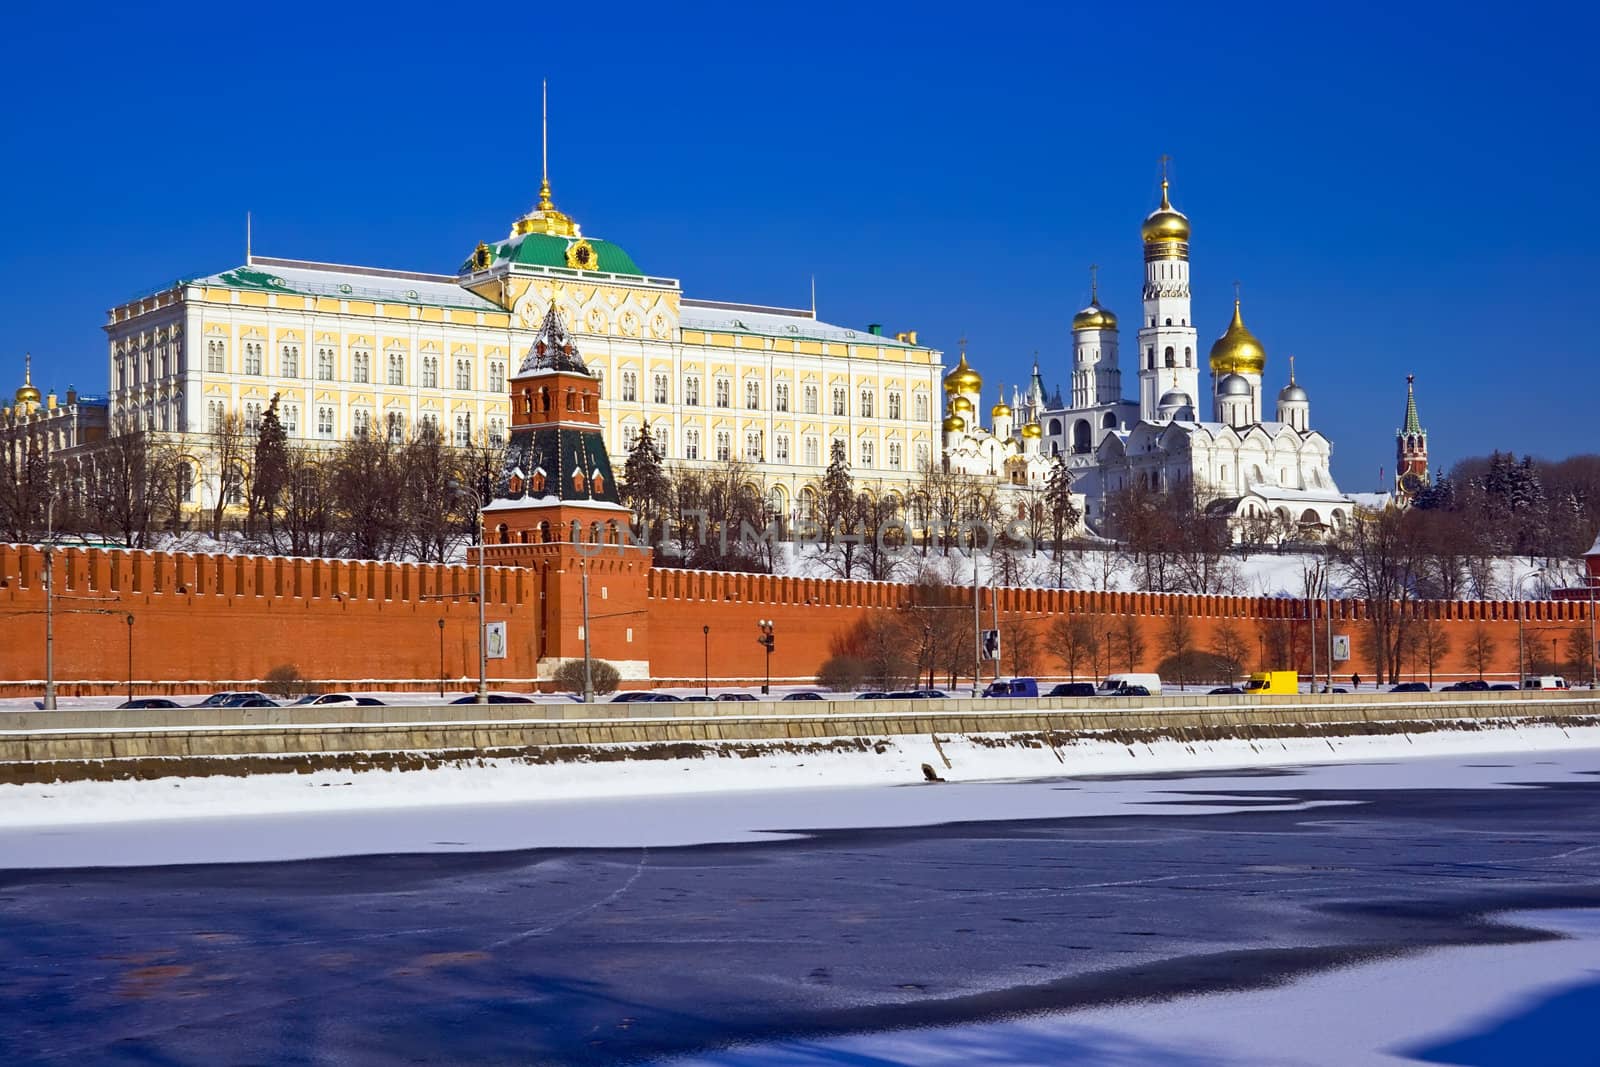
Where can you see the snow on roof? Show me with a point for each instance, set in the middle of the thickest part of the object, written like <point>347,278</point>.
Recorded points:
<point>337,280</point>
<point>778,322</point>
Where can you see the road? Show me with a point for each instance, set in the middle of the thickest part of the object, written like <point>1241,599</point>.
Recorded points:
<point>634,955</point>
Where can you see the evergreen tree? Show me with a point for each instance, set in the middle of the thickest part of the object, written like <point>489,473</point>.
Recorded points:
<point>838,494</point>
<point>271,468</point>
<point>646,487</point>
<point>1063,512</point>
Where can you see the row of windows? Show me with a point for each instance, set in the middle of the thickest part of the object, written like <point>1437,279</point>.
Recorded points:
<point>360,423</point>
<point>811,448</point>
<point>393,366</point>
<point>810,396</point>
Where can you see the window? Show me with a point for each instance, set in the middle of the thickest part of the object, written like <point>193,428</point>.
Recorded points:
<point>724,390</point>
<point>252,358</point>
<point>216,352</point>
<point>691,444</point>
<point>186,481</point>
<point>812,452</point>
<point>397,368</point>
<point>894,403</point>
<point>894,455</point>
<point>463,430</point>
<point>497,432</point>
<point>752,446</point>
<point>214,416</point>
<point>463,374</point>
<point>780,447</point>
<point>921,405</point>
<point>660,434</point>
<point>1170,358</point>
<point>724,446</point>
<point>838,400</point>
<point>630,436</point>
<point>752,394</point>
<point>325,364</point>
<point>866,403</point>
<point>252,418</point>
<point>630,386</point>
<point>922,457</point>
<point>497,376</point>
<point>360,422</point>
<point>430,372</point>
<point>811,400</point>
<point>396,425</point>
<point>1150,356</point>
<point>866,453</point>
<point>691,389</point>
<point>325,422</point>
<point>289,364</point>
<point>291,420</point>
<point>1188,357</point>
<point>780,396</point>
<point>360,366</point>
<point>659,388</point>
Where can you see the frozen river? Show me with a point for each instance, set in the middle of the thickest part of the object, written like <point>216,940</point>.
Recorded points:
<point>1395,911</point>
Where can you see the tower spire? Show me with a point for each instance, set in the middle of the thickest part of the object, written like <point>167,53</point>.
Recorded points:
<point>1291,370</point>
<point>1165,203</point>
<point>1413,421</point>
<point>1094,283</point>
<point>545,203</point>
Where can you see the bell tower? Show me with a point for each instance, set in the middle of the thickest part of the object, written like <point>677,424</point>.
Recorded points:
<point>1167,339</point>
<point>1411,449</point>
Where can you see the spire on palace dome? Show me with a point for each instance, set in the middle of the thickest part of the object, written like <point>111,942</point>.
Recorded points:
<point>27,393</point>
<point>545,218</point>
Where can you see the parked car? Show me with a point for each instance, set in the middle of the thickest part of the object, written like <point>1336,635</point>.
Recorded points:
<point>1263,683</point>
<point>493,698</point>
<point>1131,691</point>
<point>1072,689</point>
<point>1012,687</point>
<point>146,703</point>
<point>1227,691</point>
<point>873,696</point>
<point>735,696</point>
<point>1114,682</point>
<point>370,702</point>
<point>1473,686</point>
<point>1411,687</point>
<point>221,698</point>
<point>256,702</point>
<point>326,700</point>
<point>240,699</point>
<point>1502,687</point>
<point>933,694</point>
<point>1545,681</point>
<point>802,696</point>
<point>631,695</point>
<point>909,694</point>
<point>659,698</point>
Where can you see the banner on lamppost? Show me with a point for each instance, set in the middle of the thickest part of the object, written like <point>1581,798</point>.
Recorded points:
<point>991,644</point>
<point>1341,646</point>
<point>494,640</point>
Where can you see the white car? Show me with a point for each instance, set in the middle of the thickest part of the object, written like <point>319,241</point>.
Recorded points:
<point>336,700</point>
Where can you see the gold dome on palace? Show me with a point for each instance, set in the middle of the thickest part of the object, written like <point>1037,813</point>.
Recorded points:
<point>26,393</point>
<point>1094,317</point>
<point>963,379</point>
<point>954,423</point>
<point>1237,351</point>
<point>1165,223</point>
<point>961,406</point>
<point>1032,431</point>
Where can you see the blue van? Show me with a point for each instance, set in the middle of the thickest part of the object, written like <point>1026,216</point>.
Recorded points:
<point>1013,687</point>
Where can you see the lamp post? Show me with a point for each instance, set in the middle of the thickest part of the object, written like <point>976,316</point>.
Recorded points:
<point>483,650</point>
<point>49,605</point>
<point>588,672</point>
<point>767,641</point>
<point>130,655</point>
<point>705,663</point>
<point>1521,656</point>
<point>441,659</point>
<point>1261,651</point>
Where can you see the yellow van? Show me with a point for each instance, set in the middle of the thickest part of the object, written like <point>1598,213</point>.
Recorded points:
<point>1272,682</point>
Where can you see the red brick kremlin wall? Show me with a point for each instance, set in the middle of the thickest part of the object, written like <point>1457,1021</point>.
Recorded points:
<point>201,621</point>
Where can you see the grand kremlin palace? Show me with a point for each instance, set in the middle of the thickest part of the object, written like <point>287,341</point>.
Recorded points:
<point>352,349</point>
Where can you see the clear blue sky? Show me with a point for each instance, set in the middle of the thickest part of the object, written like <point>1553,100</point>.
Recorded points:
<point>1395,186</point>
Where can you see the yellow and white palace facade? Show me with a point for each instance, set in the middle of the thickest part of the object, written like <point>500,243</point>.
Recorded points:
<point>351,350</point>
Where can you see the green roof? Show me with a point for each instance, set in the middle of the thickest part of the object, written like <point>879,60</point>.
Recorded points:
<point>544,250</point>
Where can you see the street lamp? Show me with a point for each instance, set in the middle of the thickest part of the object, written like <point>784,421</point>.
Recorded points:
<point>767,641</point>
<point>49,605</point>
<point>483,651</point>
<point>130,655</point>
<point>1521,658</point>
<point>705,675</point>
<point>441,659</point>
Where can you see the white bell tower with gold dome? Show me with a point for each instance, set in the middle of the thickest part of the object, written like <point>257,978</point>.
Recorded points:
<point>1167,339</point>
<point>1096,378</point>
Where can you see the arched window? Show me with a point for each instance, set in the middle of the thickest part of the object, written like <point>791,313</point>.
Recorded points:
<point>1150,356</point>
<point>1169,322</point>
<point>1081,434</point>
<point>1055,427</point>
<point>1171,357</point>
<point>598,483</point>
<point>1108,421</point>
<point>1188,357</point>
<point>504,533</point>
<point>577,481</point>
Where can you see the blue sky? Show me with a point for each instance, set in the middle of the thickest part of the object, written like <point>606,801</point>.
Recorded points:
<point>1394,185</point>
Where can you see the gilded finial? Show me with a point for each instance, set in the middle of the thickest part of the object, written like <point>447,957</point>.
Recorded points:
<point>1291,370</point>
<point>1094,283</point>
<point>27,368</point>
<point>1165,203</point>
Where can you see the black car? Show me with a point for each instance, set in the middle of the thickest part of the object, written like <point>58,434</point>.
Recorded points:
<point>873,696</point>
<point>1227,691</point>
<point>370,702</point>
<point>1072,689</point>
<point>629,696</point>
<point>658,698</point>
<point>493,698</point>
<point>1132,691</point>
<point>802,696</point>
<point>1502,687</point>
<point>146,703</point>
<point>933,694</point>
<point>1411,687</point>
<point>735,696</point>
<point>254,702</point>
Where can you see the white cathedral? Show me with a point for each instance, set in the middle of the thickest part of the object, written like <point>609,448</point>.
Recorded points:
<point>1244,460</point>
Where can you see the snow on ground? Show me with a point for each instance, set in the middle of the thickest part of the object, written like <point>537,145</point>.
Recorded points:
<point>1524,1005</point>
<point>505,804</point>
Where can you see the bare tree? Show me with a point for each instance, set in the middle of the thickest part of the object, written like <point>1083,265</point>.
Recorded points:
<point>1480,649</point>
<point>1377,556</point>
<point>1131,637</point>
<point>228,447</point>
<point>1431,642</point>
<point>1074,641</point>
<point>1019,644</point>
<point>1177,641</point>
<point>1228,644</point>
<point>366,483</point>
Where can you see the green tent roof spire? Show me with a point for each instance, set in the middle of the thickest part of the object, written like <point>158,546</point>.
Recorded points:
<point>1413,423</point>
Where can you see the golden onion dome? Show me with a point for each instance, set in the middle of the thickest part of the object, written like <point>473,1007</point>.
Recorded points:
<point>1237,351</point>
<point>1094,317</point>
<point>963,379</point>
<point>1001,410</point>
<point>954,423</point>
<point>961,406</point>
<point>1165,223</point>
<point>26,393</point>
<point>1032,431</point>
